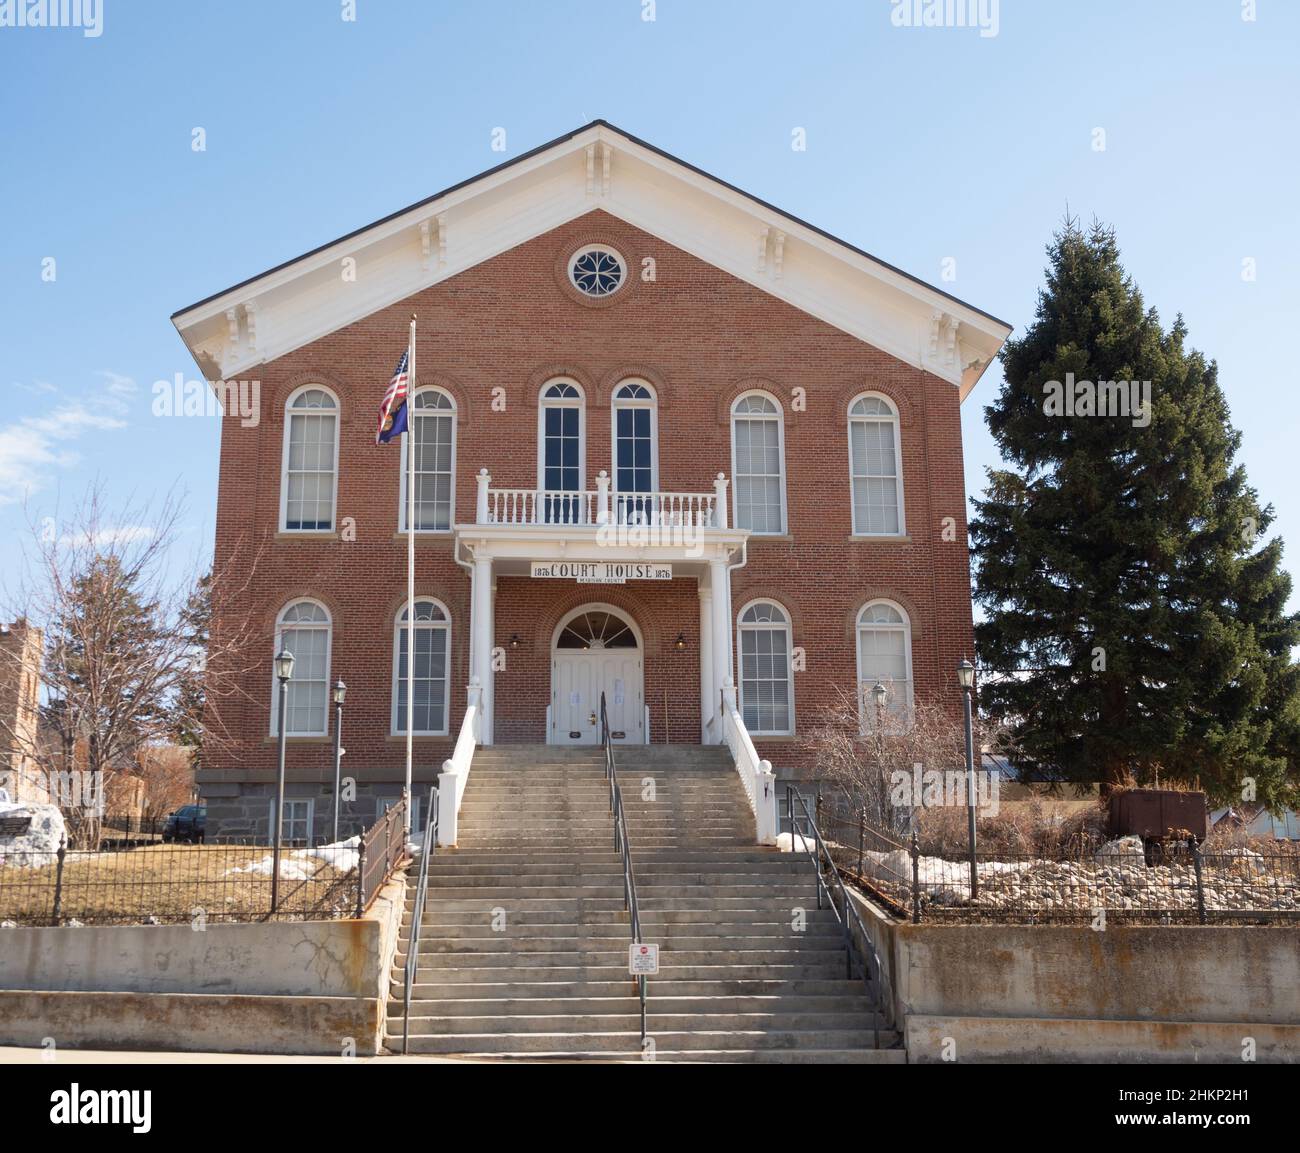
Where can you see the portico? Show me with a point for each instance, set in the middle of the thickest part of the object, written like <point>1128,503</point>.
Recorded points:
<point>600,538</point>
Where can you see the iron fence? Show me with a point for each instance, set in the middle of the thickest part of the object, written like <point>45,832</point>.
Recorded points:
<point>129,881</point>
<point>1164,882</point>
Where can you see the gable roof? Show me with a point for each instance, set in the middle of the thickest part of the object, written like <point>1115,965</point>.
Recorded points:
<point>597,166</point>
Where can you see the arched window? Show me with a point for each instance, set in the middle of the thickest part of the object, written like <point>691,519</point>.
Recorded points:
<point>766,685</point>
<point>304,630</point>
<point>875,471</point>
<point>884,656</point>
<point>636,449</point>
<point>310,474</point>
<point>432,668</point>
<point>433,414</point>
<point>596,629</point>
<point>561,452</point>
<point>758,463</point>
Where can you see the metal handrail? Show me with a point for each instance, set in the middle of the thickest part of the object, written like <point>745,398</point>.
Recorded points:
<point>869,960</point>
<point>622,847</point>
<point>417,915</point>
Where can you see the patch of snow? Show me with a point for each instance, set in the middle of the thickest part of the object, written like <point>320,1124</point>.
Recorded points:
<point>795,843</point>
<point>342,855</point>
<point>1113,852</point>
<point>303,864</point>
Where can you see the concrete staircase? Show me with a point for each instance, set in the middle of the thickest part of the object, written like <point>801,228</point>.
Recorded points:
<point>523,946</point>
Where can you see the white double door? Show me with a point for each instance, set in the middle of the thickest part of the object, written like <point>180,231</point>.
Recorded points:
<point>578,679</point>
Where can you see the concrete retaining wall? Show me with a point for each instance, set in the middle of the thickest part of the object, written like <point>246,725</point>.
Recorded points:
<point>272,987</point>
<point>1059,992</point>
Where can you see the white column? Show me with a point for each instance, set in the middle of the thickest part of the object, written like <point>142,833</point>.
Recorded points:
<point>708,694</point>
<point>720,585</point>
<point>481,649</point>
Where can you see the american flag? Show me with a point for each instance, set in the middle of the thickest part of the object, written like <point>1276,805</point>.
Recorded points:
<point>392,413</point>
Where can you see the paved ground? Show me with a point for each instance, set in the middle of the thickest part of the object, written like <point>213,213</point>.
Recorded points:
<point>16,1056</point>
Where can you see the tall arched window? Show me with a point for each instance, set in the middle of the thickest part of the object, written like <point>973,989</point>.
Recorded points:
<point>766,685</point>
<point>636,448</point>
<point>875,470</point>
<point>304,630</point>
<point>309,479</point>
<point>758,463</point>
<point>433,414</point>
<point>561,452</point>
<point>432,668</point>
<point>885,656</point>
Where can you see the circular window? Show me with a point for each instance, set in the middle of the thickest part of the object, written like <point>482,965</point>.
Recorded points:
<point>597,271</point>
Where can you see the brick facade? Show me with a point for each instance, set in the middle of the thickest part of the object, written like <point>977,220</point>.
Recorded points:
<point>701,337</point>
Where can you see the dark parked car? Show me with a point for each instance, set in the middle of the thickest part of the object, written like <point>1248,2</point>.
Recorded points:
<point>188,823</point>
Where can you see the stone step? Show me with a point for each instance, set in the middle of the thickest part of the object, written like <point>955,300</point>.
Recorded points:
<point>662,934</point>
<point>568,1044</point>
<point>624,986</point>
<point>458,971</point>
<point>628,1002</point>
<point>729,920</point>
<point>577,958</point>
<point>656,1022</point>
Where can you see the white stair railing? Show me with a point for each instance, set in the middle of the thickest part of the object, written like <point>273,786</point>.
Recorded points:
<point>455,771</point>
<point>756,775</point>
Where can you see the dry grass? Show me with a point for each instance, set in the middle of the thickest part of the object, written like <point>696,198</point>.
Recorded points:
<point>170,884</point>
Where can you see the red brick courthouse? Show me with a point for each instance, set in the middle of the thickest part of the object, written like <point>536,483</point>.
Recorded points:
<point>672,445</point>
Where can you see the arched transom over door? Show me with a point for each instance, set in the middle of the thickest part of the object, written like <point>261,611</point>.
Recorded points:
<point>596,649</point>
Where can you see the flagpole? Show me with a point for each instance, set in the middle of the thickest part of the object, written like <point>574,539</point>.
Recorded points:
<point>409,434</point>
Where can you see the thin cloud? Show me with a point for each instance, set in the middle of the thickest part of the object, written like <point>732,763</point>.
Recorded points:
<point>34,447</point>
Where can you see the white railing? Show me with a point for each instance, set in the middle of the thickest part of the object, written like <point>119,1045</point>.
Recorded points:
<point>756,775</point>
<point>455,771</point>
<point>601,506</point>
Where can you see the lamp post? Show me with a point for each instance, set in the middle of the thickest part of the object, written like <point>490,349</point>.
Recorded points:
<point>879,694</point>
<point>340,691</point>
<point>966,678</point>
<point>284,673</point>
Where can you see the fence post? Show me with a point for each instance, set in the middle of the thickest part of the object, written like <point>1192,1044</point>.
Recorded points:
<point>58,878</point>
<point>1200,880</point>
<point>862,835</point>
<point>916,878</point>
<point>361,874</point>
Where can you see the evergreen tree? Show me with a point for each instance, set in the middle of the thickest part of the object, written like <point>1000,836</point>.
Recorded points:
<point>1136,625</point>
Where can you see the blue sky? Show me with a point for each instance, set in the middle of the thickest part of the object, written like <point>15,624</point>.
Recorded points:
<point>922,144</point>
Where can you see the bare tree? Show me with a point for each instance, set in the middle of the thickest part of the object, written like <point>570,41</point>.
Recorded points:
<point>866,750</point>
<point>121,652</point>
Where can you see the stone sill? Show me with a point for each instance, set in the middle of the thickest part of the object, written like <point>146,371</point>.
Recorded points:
<point>863,538</point>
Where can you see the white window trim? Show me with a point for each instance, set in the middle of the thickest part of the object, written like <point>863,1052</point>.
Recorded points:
<point>310,802</point>
<point>907,651</point>
<point>399,627</point>
<point>898,461</point>
<point>789,657</point>
<point>284,460</point>
<point>780,442</point>
<point>615,407</point>
<point>401,470</point>
<point>329,659</point>
<point>580,403</point>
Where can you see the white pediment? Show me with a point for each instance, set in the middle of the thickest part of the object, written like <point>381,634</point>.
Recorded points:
<point>597,167</point>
